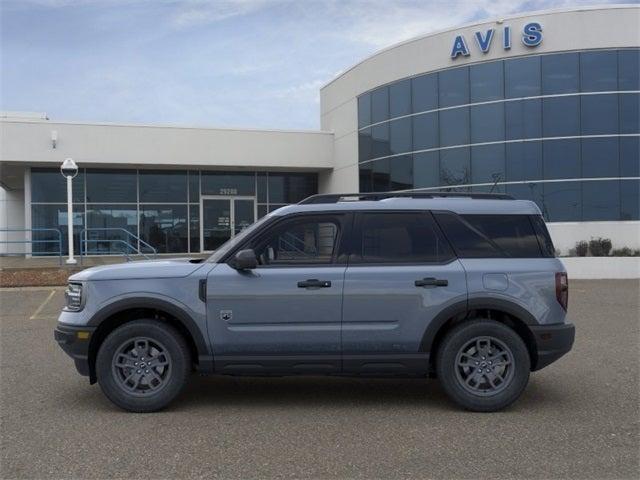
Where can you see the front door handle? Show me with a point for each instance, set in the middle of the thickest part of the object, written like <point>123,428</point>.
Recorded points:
<point>431,282</point>
<point>314,283</point>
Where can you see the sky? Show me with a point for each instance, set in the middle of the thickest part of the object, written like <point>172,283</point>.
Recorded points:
<point>224,63</point>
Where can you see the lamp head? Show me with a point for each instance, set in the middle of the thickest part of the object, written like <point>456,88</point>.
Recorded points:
<point>69,169</point>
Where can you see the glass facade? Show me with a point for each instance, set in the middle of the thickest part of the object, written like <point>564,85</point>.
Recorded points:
<point>559,129</point>
<point>160,207</point>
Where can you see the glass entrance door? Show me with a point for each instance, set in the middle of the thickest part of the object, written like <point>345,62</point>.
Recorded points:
<point>221,218</point>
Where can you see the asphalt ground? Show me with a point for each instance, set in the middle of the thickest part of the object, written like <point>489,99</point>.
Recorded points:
<point>579,418</point>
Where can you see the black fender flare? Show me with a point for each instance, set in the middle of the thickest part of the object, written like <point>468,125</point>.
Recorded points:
<point>205,359</point>
<point>462,308</point>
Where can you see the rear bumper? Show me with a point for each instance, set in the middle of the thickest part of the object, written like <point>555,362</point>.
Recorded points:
<point>552,341</point>
<point>75,342</point>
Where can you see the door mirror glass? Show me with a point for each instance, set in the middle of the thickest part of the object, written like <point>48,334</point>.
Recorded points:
<point>245,260</point>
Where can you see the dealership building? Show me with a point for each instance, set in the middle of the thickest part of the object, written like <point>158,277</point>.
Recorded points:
<point>542,106</point>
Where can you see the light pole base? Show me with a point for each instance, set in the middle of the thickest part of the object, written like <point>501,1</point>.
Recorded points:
<point>71,261</point>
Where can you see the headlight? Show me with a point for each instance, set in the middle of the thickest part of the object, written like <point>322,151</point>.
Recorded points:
<point>73,297</point>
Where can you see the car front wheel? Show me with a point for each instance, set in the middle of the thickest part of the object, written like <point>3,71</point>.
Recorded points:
<point>143,365</point>
<point>483,365</point>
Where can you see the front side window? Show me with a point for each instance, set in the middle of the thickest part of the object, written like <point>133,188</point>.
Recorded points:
<point>410,237</point>
<point>302,241</point>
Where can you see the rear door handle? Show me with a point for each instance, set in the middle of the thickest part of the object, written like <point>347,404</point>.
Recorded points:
<point>314,283</point>
<point>431,282</point>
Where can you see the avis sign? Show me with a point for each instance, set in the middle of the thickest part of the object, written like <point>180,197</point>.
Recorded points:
<point>531,37</point>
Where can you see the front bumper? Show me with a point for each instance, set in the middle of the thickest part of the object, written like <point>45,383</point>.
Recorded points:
<point>75,340</point>
<point>552,341</point>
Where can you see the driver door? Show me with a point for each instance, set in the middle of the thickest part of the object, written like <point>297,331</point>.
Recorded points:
<point>285,315</point>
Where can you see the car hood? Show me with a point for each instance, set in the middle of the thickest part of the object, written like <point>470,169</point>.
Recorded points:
<point>166,268</point>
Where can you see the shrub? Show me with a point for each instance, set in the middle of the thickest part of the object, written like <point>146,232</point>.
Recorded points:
<point>600,247</point>
<point>625,252</point>
<point>581,248</point>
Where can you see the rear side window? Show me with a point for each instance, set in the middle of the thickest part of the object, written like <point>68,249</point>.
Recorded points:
<point>491,236</point>
<point>544,239</point>
<point>411,237</point>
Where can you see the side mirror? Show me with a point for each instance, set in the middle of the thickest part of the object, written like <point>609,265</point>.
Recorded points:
<point>245,260</point>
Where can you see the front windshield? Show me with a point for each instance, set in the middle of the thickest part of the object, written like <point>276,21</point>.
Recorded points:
<point>239,238</point>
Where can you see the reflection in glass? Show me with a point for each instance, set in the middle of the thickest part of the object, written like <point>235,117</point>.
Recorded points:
<point>455,168</point>
<point>487,81</point>
<point>629,195</point>
<point>487,123</point>
<point>111,186</point>
<point>453,87</point>
<point>561,116</point>
<point>401,174</point>
<point>424,92</point>
<point>380,141</point>
<point>523,161</point>
<point>629,69</point>
<point>400,98</point>
<point>487,165</point>
<point>560,73</point>
<point>425,131</point>
<point>454,127</point>
<point>561,159</point>
<point>400,135</point>
<point>163,186</point>
<point>598,71</point>
<point>523,119</point>
<point>426,169</point>
<point>601,200</point>
<point>364,110</point>
<point>600,157</point>
<point>194,228</point>
<point>599,114</point>
<point>49,186</point>
<point>522,77</point>
<point>54,216</point>
<point>380,105</point>
<point>216,219</point>
<point>629,113</point>
<point>111,223</point>
<point>364,145</point>
<point>562,201</point>
<point>164,227</point>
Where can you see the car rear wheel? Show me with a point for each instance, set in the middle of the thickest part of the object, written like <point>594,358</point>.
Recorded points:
<point>483,365</point>
<point>143,365</point>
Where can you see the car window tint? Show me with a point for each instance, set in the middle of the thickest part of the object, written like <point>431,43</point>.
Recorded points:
<point>544,239</point>
<point>466,240</point>
<point>300,242</point>
<point>478,236</point>
<point>401,238</point>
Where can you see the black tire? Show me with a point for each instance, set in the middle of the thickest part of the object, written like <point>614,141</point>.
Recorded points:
<point>476,391</point>
<point>161,384</point>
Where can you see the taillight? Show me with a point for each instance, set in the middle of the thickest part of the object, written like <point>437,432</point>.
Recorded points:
<point>562,289</point>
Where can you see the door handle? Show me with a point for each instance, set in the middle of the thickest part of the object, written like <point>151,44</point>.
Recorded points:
<point>431,282</point>
<point>314,283</point>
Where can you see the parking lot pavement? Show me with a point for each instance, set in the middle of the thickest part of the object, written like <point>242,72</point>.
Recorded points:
<point>579,418</point>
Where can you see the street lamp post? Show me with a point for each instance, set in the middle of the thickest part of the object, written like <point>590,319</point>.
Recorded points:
<point>69,169</point>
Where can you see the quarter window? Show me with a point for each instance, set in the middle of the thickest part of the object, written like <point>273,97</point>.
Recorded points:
<point>490,236</point>
<point>400,238</point>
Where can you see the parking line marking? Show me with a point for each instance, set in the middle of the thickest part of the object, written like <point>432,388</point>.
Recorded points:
<point>35,314</point>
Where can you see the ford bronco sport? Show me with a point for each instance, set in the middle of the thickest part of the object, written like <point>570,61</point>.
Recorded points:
<point>463,287</point>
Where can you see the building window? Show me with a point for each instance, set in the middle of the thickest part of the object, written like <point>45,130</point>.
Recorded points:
<point>112,186</point>
<point>487,81</point>
<point>164,186</point>
<point>424,93</point>
<point>560,73</point>
<point>453,87</point>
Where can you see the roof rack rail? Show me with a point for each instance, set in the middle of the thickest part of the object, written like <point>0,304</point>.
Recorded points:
<point>356,197</point>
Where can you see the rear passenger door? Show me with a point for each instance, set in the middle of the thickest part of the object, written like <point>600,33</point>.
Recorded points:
<point>401,274</point>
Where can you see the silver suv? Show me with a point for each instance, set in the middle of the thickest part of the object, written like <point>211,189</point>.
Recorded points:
<point>464,287</point>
